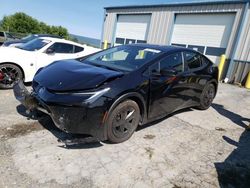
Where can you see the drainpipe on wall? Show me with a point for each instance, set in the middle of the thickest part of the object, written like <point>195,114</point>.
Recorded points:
<point>231,63</point>
<point>104,18</point>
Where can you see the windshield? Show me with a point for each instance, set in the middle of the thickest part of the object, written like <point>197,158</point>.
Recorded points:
<point>29,38</point>
<point>123,58</point>
<point>9,35</point>
<point>34,45</point>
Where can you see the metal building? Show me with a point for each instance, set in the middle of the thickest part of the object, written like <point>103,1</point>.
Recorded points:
<point>213,28</point>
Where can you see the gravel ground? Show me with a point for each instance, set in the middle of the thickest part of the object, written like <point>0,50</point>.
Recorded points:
<point>191,148</point>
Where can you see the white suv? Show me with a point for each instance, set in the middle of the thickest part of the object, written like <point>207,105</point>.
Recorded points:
<point>23,61</point>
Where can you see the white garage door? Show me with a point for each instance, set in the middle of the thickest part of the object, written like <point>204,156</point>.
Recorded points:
<point>207,33</point>
<point>132,29</point>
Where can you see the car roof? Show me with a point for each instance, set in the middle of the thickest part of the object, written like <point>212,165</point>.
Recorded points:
<point>163,48</point>
<point>62,40</point>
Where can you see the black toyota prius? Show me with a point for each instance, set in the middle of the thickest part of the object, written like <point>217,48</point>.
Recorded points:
<point>108,94</point>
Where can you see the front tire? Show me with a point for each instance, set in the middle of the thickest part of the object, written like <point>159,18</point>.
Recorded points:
<point>207,96</point>
<point>9,75</point>
<point>123,121</point>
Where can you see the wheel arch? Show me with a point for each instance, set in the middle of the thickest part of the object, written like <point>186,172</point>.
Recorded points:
<point>138,98</point>
<point>215,83</point>
<point>2,63</point>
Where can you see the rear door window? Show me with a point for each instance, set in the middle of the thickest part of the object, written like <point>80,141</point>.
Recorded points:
<point>173,61</point>
<point>78,49</point>
<point>64,48</point>
<point>192,60</point>
<point>204,61</point>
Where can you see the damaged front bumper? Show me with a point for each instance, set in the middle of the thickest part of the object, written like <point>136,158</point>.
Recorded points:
<point>83,119</point>
<point>26,98</point>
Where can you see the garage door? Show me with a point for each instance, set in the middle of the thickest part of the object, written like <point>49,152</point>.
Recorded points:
<point>207,33</point>
<point>132,29</point>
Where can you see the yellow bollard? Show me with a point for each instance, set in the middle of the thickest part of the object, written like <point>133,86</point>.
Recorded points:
<point>248,81</point>
<point>221,65</point>
<point>105,46</point>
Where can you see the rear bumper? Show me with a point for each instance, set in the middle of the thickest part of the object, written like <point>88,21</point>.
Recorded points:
<point>71,119</point>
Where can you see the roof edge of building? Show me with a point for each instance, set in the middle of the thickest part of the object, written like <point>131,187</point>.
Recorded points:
<point>178,4</point>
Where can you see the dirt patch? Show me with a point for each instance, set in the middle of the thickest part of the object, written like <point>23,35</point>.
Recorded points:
<point>19,130</point>
<point>219,129</point>
<point>149,151</point>
<point>149,136</point>
<point>176,186</point>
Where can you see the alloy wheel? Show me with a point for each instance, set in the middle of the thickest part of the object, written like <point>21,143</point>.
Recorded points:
<point>9,75</point>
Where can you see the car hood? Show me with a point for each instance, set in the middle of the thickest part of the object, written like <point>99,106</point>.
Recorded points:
<point>72,75</point>
<point>10,54</point>
<point>13,42</point>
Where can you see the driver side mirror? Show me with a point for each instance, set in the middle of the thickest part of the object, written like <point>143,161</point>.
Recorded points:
<point>50,51</point>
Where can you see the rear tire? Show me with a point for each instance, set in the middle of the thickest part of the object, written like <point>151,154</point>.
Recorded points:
<point>207,97</point>
<point>9,75</point>
<point>123,121</point>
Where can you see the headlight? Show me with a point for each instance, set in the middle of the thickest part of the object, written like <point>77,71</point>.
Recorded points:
<point>93,95</point>
<point>90,96</point>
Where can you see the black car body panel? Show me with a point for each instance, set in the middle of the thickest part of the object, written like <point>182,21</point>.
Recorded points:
<point>80,76</point>
<point>69,91</point>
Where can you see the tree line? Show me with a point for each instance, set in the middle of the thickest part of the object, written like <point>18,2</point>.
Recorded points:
<point>25,24</point>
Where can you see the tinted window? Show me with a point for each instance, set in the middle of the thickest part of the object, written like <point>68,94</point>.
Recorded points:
<point>78,49</point>
<point>62,48</point>
<point>173,61</point>
<point>1,34</point>
<point>192,60</point>
<point>204,61</point>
